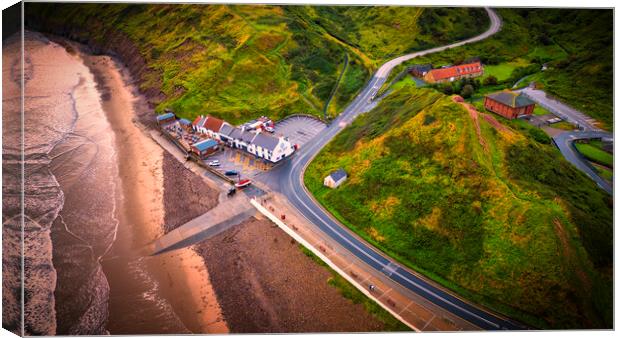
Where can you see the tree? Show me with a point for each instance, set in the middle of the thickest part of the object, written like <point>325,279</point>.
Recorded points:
<point>447,89</point>
<point>467,91</point>
<point>490,80</point>
<point>476,84</point>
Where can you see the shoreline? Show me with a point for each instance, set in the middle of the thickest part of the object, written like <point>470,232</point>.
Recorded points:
<point>246,279</point>
<point>182,275</point>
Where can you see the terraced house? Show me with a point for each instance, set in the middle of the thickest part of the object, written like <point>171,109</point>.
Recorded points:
<point>453,73</point>
<point>259,144</point>
<point>208,125</point>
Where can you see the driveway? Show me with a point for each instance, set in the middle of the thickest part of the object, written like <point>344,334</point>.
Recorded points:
<point>560,109</point>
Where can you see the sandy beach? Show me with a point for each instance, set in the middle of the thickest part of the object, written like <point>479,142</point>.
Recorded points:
<point>251,278</point>
<point>146,206</point>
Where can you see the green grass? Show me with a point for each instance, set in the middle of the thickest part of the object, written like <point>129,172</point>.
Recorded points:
<point>406,81</point>
<point>539,110</point>
<point>576,45</point>
<point>594,152</point>
<point>481,222</point>
<point>564,125</point>
<point>241,61</point>
<point>350,292</point>
<point>504,70</point>
<point>604,172</point>
<point>550,52</point>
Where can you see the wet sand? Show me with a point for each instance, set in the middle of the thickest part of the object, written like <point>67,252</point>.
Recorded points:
<point>251,278</point>
<point>181,276</point>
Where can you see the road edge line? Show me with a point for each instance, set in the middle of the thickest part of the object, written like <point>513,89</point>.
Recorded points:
<point>327,261</point>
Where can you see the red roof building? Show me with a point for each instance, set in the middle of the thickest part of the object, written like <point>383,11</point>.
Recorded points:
<point>213,124</point>
<point>208,125</point>
<point>450,74</point>
<point>509,104</point>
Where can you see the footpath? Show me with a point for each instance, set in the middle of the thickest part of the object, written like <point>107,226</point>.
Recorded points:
<point>416,312</point>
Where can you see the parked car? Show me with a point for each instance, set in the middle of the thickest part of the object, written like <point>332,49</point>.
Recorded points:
<point>243,183</point>
<point>231,173</point>
<point>214,163</point>
<point>270,129</point>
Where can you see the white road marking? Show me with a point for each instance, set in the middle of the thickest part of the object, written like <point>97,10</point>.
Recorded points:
<point>352,109</point>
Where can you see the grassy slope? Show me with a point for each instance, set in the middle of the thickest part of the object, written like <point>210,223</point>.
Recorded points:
<point>352,293</point>
<point>239,62</point>
<point>516,227</point>
<point>594,152</point>
<point>576,44</point>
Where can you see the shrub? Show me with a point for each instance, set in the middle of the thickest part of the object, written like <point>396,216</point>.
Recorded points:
<point>539,136</point>
<point>467,91</point>
<point>490,80</point>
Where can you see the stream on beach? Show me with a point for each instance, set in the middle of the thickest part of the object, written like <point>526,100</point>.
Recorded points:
<point>84,271</point>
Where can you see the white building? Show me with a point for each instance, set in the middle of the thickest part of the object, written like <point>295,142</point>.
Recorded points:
<point>335,179</point>
<point>259,144</point>
<point>272,148</point>
<point>209,126</point>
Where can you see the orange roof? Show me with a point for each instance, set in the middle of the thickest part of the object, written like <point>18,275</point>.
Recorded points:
<point>213,124</point>
<point>197,120</point>
<point>456,71</point>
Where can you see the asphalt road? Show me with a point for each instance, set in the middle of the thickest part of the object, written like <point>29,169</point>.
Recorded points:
<point>288,179</point>
<point>560,109</point>
<point>565,141</point>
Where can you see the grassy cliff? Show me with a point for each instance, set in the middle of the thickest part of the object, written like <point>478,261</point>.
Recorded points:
<point>239,62</point>
<point>477,205</point>
<point>575,44</point>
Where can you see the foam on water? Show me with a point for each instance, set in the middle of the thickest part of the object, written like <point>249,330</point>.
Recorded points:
<point>71,202</point>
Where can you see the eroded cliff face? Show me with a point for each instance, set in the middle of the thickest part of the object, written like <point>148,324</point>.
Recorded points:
<point>107,41</point>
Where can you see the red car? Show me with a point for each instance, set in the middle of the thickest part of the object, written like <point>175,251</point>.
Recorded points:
<point>243,183</point>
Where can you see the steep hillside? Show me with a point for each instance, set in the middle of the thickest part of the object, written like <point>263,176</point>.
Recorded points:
<point>575,44</point>
<point>476,205</point>
<point>239,62</point>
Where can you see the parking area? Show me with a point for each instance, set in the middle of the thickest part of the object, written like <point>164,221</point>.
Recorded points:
<point>247,165</point>
<point>299,129</point>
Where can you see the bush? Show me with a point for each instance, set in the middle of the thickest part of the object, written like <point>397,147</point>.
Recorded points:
<point>490,81</point>
<point>539,136</point>
<point>467,91</point>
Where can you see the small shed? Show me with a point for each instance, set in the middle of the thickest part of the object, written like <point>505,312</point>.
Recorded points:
<point>204,148</point>
<point>185,124</point>
<point>335,179</point>
<point>420,70</point>
<point>165,118</point>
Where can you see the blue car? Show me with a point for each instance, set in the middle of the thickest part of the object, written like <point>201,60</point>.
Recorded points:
<point>231,173</point>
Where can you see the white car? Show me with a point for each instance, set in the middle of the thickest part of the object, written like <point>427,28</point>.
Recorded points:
<point>214,163</point>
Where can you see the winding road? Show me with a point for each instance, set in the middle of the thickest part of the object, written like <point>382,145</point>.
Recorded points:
<point>565,142</point>
<point>289,179</point>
